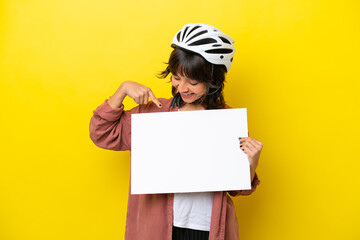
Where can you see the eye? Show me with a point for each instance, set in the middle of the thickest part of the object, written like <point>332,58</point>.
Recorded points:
<point>194,83</point>
<point>176,78</point>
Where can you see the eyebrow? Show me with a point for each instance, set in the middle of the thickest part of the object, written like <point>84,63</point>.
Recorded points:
<point>187,78</point>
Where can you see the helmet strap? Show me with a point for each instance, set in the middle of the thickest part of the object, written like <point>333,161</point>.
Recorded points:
<point>214,91</point>
<point>200,100</point>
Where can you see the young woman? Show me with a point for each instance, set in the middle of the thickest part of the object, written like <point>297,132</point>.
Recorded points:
<point>201,57</point>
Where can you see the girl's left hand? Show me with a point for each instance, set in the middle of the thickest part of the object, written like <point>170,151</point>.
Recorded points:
<point>252,148</point>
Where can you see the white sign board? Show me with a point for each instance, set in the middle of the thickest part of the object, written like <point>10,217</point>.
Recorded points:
<point>188,151</point>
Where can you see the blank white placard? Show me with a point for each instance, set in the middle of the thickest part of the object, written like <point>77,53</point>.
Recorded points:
<point>189,151</point>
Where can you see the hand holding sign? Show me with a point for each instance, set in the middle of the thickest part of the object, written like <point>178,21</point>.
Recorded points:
<point>252,148</point>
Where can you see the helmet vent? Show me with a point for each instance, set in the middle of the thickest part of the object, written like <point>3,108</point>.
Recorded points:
<point>178,37</point>
<point>198,34</point>
<point>225,40</point>
<point>216,45</point>
<point>220,50</point>
<point>231,59</point>
<point>192,30</point>
<point>184,33</point>
<point>203,41</point>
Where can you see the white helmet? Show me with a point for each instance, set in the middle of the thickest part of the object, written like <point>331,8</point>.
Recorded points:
<point>208,41</point>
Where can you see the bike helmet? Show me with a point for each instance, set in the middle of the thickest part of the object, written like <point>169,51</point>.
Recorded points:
<point>208,41</point>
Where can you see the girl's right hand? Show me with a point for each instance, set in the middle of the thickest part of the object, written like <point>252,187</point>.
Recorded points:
<point>136,91</point>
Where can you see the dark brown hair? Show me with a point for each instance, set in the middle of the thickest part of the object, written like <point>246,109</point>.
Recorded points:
<point>194,66</point>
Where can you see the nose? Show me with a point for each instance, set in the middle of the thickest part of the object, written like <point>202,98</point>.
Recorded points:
<point>182,87</point>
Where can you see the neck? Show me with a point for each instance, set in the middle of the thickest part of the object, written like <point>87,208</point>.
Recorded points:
<point>192,107</point>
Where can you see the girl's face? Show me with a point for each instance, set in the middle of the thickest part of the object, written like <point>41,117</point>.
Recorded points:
<point>189,89</point>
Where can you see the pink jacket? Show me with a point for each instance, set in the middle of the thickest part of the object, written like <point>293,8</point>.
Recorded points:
<point>150,216</point>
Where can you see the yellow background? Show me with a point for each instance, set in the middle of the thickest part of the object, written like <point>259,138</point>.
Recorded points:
<point>296,69</point>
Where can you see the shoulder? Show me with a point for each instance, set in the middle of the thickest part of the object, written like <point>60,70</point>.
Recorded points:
<point>227,107</point>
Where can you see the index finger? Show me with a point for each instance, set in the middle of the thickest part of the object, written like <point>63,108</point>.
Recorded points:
<point>154,99</point>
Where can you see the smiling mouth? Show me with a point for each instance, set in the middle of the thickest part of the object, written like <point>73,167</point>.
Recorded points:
<point>187,95</point>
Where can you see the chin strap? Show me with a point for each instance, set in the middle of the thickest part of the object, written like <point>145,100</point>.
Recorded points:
<point>200,100</point>
<point>214,91</point>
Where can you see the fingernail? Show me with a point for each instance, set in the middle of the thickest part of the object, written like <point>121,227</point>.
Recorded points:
<point>242,149</point>
<point>239,137</point>
<point>240,145</point>
<point>240,142</point>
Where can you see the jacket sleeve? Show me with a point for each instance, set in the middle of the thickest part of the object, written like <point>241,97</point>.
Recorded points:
<point>255,182</point>
<point>110,128</point>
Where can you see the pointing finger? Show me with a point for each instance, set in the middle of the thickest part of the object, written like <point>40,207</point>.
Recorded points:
<point>154,99</point>
<point>146,98</point>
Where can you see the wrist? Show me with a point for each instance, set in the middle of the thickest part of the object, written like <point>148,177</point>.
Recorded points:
<point>121,91</point>
<point>252,167</point>
<point>115,101</point>
<point>252,171</point>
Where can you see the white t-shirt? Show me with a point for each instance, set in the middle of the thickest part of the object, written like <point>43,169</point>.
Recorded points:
<point>193,210</point>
